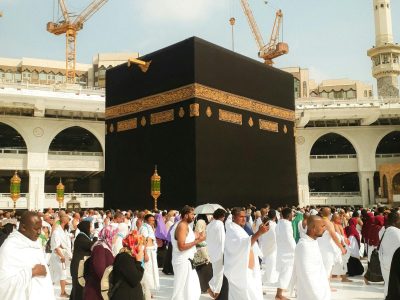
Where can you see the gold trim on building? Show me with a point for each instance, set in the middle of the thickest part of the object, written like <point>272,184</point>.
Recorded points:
<point>230,117</point>
<point>268,125</point>
<point>143,121</point>
<point>250,122</point>
<point>126,124</point>
<point>202,92</point>
<point>162,117</point>
<point>181,112</point>
<point>194,110</point>
<point>208,112</point>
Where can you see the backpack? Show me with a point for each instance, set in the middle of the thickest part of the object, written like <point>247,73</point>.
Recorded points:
<point>81,271</point>
<point>107,287</point>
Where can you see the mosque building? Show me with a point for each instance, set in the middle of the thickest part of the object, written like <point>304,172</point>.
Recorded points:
<point>347,138</point>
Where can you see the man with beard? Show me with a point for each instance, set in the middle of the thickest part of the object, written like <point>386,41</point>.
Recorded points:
<point>23,270</point>
<point>184,241</point>
<point>309,271</point>
<point>241,259</point>
<point>61,253</point>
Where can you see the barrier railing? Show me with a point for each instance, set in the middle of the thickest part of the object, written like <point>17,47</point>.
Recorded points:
<point>333,156</point>
<point>78,153</point>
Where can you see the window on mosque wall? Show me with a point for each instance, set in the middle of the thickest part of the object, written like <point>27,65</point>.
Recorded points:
<point>331,95</point>
<point>296,88</point>
<point>9,76</point>
<point>386,58</point>
<point>324,94</point>
<point>370,93</point>
<point>351,94</point>
<point>304,89</point>
<point>365,93</point>
<point>42,76</point>
<point>395,58</point>
<point>338,94</point>
<point>17,76</point>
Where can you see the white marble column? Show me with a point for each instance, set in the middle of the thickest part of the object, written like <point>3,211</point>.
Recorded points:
<point>367,187</point>
<point>304,191</point>
<point>36,189</point>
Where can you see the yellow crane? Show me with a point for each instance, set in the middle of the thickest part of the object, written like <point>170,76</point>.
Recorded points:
<point>274,48</point>
<point>70,28</point>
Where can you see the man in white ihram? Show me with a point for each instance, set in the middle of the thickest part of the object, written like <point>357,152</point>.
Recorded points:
<point>241,264</point>
<point>390,241</point>
<point>215,246</point>
<point>309,272</point>
<point>24,274</point>
<point>285,252</point>
<point>269,249</point>
<point>184,241</point>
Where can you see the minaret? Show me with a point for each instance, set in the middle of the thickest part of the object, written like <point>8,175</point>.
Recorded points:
<point>385,54</point>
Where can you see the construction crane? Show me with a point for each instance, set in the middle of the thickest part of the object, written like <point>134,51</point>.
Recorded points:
<point>70,28</point>
<point>274,48</point>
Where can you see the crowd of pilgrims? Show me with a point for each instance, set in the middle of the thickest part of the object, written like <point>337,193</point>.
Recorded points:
<point>229,254</point>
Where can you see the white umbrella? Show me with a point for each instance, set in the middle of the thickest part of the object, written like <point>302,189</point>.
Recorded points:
<point>207,208</point>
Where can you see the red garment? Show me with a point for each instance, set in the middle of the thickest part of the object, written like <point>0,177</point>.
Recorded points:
<point>374,231</point>
<point>101,258</point>
<point>367,226</point>
<point>351,230</point>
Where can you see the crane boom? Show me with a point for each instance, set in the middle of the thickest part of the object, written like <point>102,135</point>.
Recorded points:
<point>70,29</point>
<point>274,48</point>
<point>64,10</point>
<point>90,10</point>
<point>253,24</point>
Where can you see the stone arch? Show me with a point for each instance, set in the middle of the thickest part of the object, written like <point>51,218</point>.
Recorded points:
<point>19,141</point>
<point>389,143</point>
<point>331,143</point>
<point>94,142</point>
<point>396,184</point>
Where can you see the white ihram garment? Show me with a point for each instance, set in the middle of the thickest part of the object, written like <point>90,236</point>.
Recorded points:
<point>285,252</point>
<point>186,280</point>
<point>215,246</point>
<point>309,271</point>
<point>389,244</point>
<point>244,283</point>
<point>151,278</point>
<point>18,255</point>
<point>340,267</point>
<point>59,239</point>
<point>329,251</point>
<point>269,251</point>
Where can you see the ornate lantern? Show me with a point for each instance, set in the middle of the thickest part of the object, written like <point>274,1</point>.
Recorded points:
<point>155,187</point>
<point>15,188</point>
<point>60,194</point>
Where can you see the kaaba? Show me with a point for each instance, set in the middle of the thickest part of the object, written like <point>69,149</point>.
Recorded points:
<point>218,125</point>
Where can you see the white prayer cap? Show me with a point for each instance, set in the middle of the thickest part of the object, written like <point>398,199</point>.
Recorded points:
<point>313,212</point>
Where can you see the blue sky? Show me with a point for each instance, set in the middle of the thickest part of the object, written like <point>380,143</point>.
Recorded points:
<point>329,37</point>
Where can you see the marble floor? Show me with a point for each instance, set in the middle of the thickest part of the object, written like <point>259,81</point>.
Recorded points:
<point>355,290</point>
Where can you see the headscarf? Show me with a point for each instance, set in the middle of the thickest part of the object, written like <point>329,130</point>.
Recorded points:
<point>370,220</point>
<point>132,242</point>
<point>351,230</point>
<point>84,227</point>
<point>161,230</point>
<point>106,236</point>
<point>373,235</point>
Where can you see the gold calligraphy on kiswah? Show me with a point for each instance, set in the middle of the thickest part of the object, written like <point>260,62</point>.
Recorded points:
<point>201,92</point>
<point>162,117</point>
<point>268,125</point>
<point>126,125</point>
<point>230,117</point>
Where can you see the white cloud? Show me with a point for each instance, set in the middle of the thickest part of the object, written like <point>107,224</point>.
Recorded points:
<point>179,10</point>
